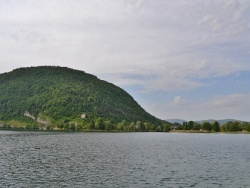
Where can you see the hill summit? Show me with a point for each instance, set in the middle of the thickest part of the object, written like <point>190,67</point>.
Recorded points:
<point>50,96</point>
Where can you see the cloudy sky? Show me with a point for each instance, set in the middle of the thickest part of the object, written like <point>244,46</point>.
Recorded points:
<point>178,59</point>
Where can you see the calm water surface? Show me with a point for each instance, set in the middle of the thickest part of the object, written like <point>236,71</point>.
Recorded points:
<point>30,159</point>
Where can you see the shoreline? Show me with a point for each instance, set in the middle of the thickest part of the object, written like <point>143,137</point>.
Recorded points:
<point>115,131</point>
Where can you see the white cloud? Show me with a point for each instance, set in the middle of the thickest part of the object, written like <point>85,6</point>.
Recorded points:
<point>159,45</point>
<point>177,100</point>
<point>169,40</point>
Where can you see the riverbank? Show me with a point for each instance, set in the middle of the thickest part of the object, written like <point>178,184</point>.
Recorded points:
<point>120,131</point>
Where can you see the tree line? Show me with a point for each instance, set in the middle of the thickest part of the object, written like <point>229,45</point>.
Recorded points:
<point>101,124</point>
<point>98,124</point>
<point>229,126</point>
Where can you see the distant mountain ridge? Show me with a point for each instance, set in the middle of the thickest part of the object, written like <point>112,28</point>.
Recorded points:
<point>180,121</point>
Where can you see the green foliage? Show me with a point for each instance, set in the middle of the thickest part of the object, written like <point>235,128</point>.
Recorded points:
<point>99,124</point>
<point>235,126</point>
<point>166,127</point>
<point>59,95</point>
<point>91,125</point>
<point>246,126</point>
<point>206,126</point>
<point>216,126</point>
<point>226,126</point>
<point>132,126</point>
<point>229,126</point>
<point>140,126</point>
<point>108,126</point>
<point>197,126</point>
<point>190,125</point>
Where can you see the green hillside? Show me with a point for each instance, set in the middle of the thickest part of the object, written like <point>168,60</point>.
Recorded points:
<point>51,96</point>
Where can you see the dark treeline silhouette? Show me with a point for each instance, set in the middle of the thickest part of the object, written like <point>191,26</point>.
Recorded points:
<point>230,126</point>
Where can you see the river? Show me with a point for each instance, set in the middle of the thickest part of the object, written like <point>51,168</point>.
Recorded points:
<point>49,159</point>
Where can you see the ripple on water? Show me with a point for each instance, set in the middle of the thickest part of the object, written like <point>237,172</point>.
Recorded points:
<point>123,160</point>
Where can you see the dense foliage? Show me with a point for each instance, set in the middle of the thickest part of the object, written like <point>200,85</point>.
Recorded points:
<point>58,96</point>
<point>229,126</point>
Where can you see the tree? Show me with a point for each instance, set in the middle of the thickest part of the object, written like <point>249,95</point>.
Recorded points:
<point>207,126</point>
<point>180,127</point>
<point>80,126</point>
<point>223,128</point>
<point>190,125</point>
<point>166,127</point>
<point>216,126</point>
<point>59,124</point>
<point>197,126</point>
<point>99,125</point>
<point>122,125</point>
<point>91,125</point>
<point>66,126</point>
<point>235,126</point>
<point>246,126</point>
<point>158,128</point>
<point>124,122</point>
<point>132,126</point>
<point>227,125</point>
<point>149,126</point>
<point>107,125</point>
<point>184,126</point>
<point>140,125</point>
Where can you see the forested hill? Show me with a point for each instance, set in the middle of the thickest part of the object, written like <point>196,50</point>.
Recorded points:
<point>55,95</point>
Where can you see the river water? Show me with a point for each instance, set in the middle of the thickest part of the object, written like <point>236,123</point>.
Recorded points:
<point>35,159</point>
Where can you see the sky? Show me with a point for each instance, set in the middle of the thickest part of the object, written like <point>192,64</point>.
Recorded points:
<point>178,59</point>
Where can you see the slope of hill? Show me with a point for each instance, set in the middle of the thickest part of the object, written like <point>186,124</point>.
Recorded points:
<point>58,94</point>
